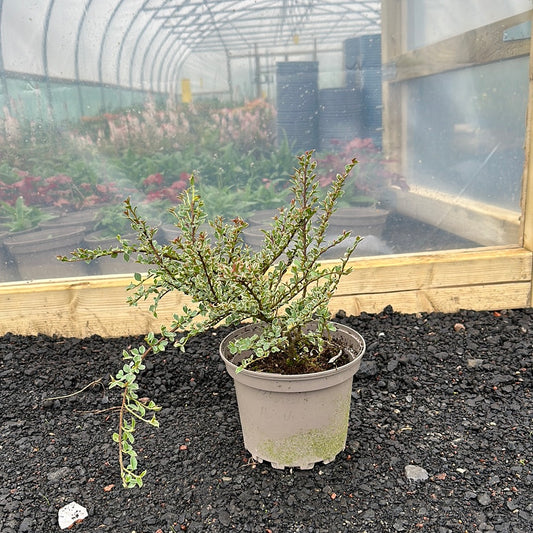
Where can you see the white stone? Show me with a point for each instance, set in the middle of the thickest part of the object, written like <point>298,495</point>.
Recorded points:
<point>70,514</point>
<point>416,473</point>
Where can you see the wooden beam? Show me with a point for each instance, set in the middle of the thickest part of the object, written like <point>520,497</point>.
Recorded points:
<point>475,221</point>
<point>446,300</point>
<point>476,279</point>
<point>393,17</point>
<point>475,47</point>
<point>526,228</point>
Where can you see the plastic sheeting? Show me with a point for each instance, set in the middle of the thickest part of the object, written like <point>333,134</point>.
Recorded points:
<point>143,44</point>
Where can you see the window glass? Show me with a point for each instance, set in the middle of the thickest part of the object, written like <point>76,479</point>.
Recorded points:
<point>104,100</point>
<point>430,22</point>
<point>466,132</point>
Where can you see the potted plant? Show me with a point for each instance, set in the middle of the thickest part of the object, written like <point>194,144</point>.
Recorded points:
<point>292,366</point>
<point>33,248</point>
<point>111,223</point>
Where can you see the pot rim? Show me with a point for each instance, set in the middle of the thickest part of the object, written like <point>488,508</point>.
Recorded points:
<point>340,328</point>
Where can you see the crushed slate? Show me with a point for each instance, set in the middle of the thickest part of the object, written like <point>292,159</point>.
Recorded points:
<point>456,402</point>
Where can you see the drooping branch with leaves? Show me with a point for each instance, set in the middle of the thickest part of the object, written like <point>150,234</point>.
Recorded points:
<point>283,286</point>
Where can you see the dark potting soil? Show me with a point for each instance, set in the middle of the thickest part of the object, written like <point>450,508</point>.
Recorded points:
<point>450,394</point>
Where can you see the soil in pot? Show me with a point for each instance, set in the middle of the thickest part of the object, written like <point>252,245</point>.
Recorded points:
<point>359,220</point>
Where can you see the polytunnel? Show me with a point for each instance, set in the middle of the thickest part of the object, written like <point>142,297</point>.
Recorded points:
<point>148,46</point>
<point>106,100</point>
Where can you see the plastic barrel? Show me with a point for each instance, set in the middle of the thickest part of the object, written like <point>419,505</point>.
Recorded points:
<point>340,116</point>
<point>372,103</point>
<point>297,103</point>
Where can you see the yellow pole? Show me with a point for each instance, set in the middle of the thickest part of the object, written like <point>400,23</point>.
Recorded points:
<point>186,94</point>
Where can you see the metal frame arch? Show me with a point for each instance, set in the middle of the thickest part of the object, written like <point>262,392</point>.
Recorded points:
<point>182,50</point>
<point>77,53</point>
<point>101,50</point>
<point>165,56</point>
<point>171,68</point>
<point>230,17</point>
<point>174,76</point>
<point>148,46</point>
<point>174,69</point>
<point>44,52</point>
<point>156,56</point>
<point>121,47</point>
<point>169,48</point>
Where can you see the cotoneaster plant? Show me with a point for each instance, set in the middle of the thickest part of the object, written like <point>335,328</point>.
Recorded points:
<point>283,286</point>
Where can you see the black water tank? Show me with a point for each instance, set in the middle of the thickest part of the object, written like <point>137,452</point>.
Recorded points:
<point>362,62</point>
<point>297,103</point>
<point>371,93</point>
<point>340,117</point>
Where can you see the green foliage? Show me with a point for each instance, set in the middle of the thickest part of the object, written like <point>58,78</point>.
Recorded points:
<point>21,217</point>
<point>283,286</point>
<point>112,221</point>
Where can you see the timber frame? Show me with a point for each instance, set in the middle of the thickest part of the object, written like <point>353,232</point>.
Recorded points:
<point>488,278</point>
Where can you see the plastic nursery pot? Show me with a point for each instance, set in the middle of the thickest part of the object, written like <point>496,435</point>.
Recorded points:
<point>359,220</point>
<point>254,237</point>
<point>8,271</point>
<point>110,265</point>
<point>35,252</point>
<point>295,420</point>
<point>84,217</point>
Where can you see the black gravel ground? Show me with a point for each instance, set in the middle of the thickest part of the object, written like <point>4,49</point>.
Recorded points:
<point>451,394</point>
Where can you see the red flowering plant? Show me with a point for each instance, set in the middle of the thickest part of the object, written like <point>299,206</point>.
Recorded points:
<point>58,191</point>
<point>372,176</point>
<point>154,187</point>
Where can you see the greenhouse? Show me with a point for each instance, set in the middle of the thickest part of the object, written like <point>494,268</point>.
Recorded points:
<point>179,166</point>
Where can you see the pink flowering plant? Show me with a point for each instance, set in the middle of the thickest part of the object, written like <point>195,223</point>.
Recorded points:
<point>248,127</point>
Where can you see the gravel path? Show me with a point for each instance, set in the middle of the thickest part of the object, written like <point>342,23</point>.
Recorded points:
<point>444,398</point>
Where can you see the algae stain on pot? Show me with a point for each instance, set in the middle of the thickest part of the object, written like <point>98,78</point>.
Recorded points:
<point>321,444</point>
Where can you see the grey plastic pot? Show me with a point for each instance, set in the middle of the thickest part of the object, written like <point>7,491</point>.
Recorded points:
<point>359,220</point>
<point>295,420</point>
<point>109,265</point>
<point>35,252</point>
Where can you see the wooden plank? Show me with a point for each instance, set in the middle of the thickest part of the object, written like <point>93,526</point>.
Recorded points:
<point>478,222</point>
<point>475,47</point>
<point>421,281</point>
<point>393,17</point>
<point>422,271</point>
<point>447,300</point>
<point>526,236</point>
